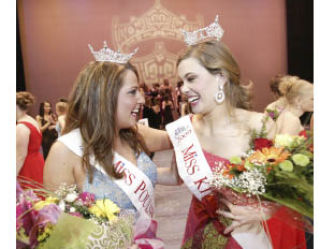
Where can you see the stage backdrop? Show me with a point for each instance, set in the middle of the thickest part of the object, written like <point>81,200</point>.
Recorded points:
<point>55,35</point>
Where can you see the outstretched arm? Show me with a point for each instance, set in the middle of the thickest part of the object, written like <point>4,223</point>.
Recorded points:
<point>156,140</point>
<point>169,175</point>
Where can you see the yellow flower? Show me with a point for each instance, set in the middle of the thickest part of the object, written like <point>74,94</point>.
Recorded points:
<point>49,200</point>
<point>105,209</point>
<point>269,156</point>
<point>283,140</point>
<point>286,140</point>
<point>46,232</point>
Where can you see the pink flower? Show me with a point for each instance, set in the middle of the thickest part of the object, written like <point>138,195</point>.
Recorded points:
<point>87,198</point>
<point>77,214</point>
<point>48,214</point>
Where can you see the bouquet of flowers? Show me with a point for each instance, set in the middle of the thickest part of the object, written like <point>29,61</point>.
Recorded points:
<point>279,170</point>
<point>68,219</point>
<point>273,113</point>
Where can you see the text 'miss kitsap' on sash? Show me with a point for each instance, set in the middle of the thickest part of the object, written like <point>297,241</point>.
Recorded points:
<point>192,165</point>
<point>196,173</point>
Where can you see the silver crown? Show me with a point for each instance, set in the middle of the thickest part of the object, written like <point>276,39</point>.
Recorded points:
<point>213,31</point>
<point>107,54</point>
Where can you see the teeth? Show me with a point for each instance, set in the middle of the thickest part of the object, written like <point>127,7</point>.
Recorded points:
<point>193,99</point>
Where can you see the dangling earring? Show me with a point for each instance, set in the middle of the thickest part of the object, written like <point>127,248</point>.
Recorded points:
<point>220,95</point>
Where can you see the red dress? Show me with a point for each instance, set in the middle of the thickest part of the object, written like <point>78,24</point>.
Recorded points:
<point>203,220</point>
<point>32,168</point>
<point>204,228</point>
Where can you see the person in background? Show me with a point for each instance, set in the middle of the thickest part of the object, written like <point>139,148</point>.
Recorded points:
<point>167,109</point>
<point>47,123</point>
<point>298,94</point>
<point>185,107</point>
<point>61,110</point>
<point>29,160</point>
<point>155,114</point>
<point>275,108</point>
<point>178,96</point>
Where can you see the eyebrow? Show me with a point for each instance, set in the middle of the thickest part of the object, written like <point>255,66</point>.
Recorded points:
<point>187,74</point>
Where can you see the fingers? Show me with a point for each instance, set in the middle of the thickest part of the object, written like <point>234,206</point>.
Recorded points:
<point>233,226</point>
<point>227,214</point>
<point>227,203</point>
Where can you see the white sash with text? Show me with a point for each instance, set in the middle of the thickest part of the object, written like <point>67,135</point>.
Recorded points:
<point>192,165</point>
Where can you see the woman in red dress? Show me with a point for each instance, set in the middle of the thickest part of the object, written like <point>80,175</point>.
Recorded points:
<point>29,160</point>
<point>222,124</point>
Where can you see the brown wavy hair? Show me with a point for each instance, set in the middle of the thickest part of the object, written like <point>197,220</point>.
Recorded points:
<point>92,109</point>
<point>217,58</point>
<point>24,100</point>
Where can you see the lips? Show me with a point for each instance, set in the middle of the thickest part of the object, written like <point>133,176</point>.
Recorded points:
<point>193,100</point>
<point>135,112</point>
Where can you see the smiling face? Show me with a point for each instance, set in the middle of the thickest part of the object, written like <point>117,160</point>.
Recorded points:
<point>130,99</point>
<point>199,85</point>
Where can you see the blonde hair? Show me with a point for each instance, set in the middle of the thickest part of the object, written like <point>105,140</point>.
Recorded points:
<point>217,58</point>
<point>292,86</point>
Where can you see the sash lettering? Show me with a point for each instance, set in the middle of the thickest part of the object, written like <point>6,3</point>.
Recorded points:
<point>192,165</point>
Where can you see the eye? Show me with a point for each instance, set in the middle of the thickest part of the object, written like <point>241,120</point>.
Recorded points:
<point>133,91</point>
<point>191,78</point>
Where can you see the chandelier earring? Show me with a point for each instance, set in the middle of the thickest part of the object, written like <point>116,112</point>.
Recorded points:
<point>220,96</point>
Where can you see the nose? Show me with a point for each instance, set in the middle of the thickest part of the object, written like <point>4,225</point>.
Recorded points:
<point>184,89</point>
<point>140,98</point>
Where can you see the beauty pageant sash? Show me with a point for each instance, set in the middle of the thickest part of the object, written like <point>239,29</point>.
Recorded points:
<point>135,183</point>
<point>196,173</point>
<point>192,165</point>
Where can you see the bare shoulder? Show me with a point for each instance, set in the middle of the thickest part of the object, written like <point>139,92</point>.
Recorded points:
<point>22,131</point>
<point>288,123</point>
<point>256,120</point>
<point>59,166</point>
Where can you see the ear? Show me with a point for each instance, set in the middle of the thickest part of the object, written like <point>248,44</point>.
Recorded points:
<point>221,78</point>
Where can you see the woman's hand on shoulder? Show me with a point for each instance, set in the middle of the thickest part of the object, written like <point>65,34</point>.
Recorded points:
<point>58,167</point>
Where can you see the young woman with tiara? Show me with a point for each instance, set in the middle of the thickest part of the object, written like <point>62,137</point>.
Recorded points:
<point>101,150</point>
<point>220,128</point>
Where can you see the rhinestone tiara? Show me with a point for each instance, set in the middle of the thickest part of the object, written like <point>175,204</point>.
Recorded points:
<point>107,54</point>
<point>213,31</point>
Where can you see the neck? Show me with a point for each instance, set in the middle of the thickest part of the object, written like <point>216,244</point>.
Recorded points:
<point>117,141</point>
<point>21,115</point>
<point>294,110</point>
<point>216,119</point>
